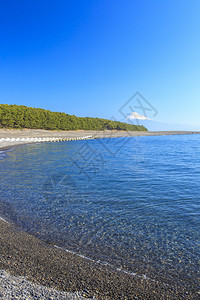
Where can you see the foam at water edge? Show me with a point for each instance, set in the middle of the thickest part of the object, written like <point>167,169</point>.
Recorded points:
<point>104,263</point>
<point>2,219</point>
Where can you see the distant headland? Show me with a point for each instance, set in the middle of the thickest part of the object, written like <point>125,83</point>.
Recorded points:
<point>19,116</point>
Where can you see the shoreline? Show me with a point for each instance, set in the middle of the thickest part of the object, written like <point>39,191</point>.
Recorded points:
<point>42,263</point>
<point>28,135</point>
<point>39,262</point>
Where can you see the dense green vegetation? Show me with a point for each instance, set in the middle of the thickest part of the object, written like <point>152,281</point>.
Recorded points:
<point>19,116</point>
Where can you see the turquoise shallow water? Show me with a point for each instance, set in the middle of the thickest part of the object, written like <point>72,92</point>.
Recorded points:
<point>130,202</point>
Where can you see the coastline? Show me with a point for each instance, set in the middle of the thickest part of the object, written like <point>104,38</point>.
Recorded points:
<point>24,255</point>
<point>27,134</point>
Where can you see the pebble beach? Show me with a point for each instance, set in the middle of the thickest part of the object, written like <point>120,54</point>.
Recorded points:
<point>33,269</point>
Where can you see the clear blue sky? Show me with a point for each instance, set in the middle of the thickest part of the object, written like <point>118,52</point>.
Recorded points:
<point>89,57</point>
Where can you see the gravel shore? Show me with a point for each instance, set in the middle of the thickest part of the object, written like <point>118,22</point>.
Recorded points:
<point>44,264</point>
<point>17,287</point>
<point>33,269</point>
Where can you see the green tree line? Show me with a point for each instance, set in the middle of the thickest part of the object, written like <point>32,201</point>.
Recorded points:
<point>19,116</point>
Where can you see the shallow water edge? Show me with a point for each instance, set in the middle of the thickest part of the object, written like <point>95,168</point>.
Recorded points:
<point>39,262</point>
<point>146,285</point>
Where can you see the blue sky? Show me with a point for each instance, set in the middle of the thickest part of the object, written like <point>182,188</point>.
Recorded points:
<point>89,57</point>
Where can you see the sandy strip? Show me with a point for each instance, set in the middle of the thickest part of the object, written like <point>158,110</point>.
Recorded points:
<point>39,133</point>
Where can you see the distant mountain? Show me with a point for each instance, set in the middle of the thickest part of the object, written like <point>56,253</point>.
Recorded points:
<point>159,126</point>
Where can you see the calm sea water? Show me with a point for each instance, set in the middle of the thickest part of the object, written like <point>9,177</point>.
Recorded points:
<point>133,203</point>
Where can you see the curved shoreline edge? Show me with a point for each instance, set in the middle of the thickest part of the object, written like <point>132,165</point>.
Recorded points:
<point>24,255</point>
<point>41,263</point>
